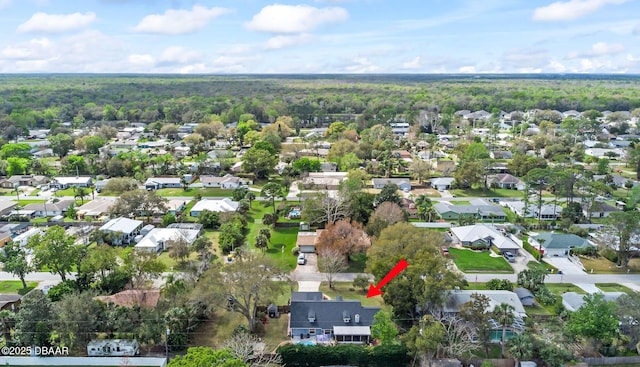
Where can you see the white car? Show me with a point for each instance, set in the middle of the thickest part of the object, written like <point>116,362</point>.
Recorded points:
<point>301,259</point>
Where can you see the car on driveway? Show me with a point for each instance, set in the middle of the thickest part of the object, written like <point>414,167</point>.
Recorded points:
<point>509,256</point>
<point>302,259</point>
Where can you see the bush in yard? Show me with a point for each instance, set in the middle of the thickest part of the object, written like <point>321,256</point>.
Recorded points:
<point>610,254</point>
<point>297,355</point>
<point>544,296</point>
<point>499,284</point>
<point>361,281</point>
<point>59,290</point>
<point>590,251</point>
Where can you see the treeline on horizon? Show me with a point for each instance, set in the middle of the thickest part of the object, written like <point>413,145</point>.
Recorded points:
<point>31,100</point>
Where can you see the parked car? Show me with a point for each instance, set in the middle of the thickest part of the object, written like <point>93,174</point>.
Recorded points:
<point>445,250</point>
<point>302,259</point>
<point>509,256</point>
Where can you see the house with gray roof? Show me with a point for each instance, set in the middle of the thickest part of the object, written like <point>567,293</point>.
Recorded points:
<point>557,244</point>
<point>402,183</point>
<point>486,211</point>
<point>442,183</point>
<point>124,230</point>
<point>598,209</point>
<point>155,183</point>
<point>319,320</point>
<point>506,181</point>
<point>547,211</point>
<point>456,299</point>
<point>483,236</point>
<point>525,295</point>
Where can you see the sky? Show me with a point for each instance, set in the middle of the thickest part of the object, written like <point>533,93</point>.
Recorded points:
<point>319,36</point>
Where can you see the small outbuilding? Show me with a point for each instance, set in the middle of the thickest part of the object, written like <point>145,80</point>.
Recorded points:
<point>525,295</point>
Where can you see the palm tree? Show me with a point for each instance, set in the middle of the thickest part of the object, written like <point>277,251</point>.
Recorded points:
<point>503,314</point>
<point>423,204</point>
<point>80,192</point>
<point>520,347</point>
<point>17,191</point>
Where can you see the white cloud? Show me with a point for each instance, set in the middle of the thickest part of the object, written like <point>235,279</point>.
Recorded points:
<point>32,50</point>
<point>178,55</point>
<point>281,41</point>
<point>141,60</point>
<point>414,64</point>
<point>598,49</point>
<point>556,67</point>
<point>467,69</point>
<point>570,10</point>
<point>179,21</point>
<point>294,18</point>
<point>361,65</point>
<point>55,23</point>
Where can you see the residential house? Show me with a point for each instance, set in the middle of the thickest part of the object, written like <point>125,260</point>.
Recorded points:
<point>160,239</point>
<point>403,184</point>
<point>23,238</point>
<point>100,184</point>
<point>525,295</point>
<point>501,154</point>
<point>557,244</point>
<point>220,205</point>
<point>227,181</point>
<point>124,230</point>
<point>175,206</point>
<point>506,181</point>
<point>328,167</point>
<point>96,209</point>
<point>483,236</point>
<point>65,182</point>
<point>196,226</point>
<point>306,241</point>
<point>44,209</point>
<point>458,298</point>
<point>24,180</point>
<point>546,211</point>
<point>572,301</point>
<point>478,208</point>
<point>323,180</point>
<point>322,321</point>
<point>10,302</point>
<point>598,209</point>
<point>155,183</point>
<point>442,183</point>
<point>5,237</point>
<point>6,206</point>
<point>400,128</point>
<point>617,180</point>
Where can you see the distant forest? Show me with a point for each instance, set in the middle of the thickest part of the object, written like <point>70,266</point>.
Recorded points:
<point>28,101</point>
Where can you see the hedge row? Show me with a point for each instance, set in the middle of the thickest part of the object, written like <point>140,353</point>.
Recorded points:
<point>297,355</point>
<point>530,249</point>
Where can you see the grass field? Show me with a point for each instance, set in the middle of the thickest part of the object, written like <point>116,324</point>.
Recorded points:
<point>613,287</point>
<point>279,236</point>
<point>560,288</point>
<point>15,287</point>
<point>603,266</point>
<point>29,201</point>
<point>347,291</point>
<point>470,261</point>
<point>204,191</point>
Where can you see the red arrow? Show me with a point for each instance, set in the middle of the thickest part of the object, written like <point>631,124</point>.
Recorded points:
<point>375,291</point>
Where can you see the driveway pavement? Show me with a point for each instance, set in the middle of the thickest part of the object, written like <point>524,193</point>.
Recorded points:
<point>565,265</point>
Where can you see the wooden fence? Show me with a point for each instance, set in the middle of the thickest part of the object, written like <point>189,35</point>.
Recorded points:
<point>612,360</point>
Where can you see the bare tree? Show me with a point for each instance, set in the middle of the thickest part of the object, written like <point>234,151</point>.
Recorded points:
<point>250,350</point>
<point>458,337</point>
<point>330,262</point>
<point>323,209</point>
<point>344,236</point>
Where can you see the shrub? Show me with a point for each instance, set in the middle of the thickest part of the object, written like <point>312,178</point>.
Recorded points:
<point>610,255</point>
<point>544,296</point>
<point>590,251</point>
<point>294,355</point>
<point>530,249</point>
<point>59,290</point>
<point>499,284</point>
<point>361,281</point>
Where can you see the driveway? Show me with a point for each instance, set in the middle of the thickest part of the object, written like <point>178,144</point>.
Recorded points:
<point>565,265</point>
<point>303,272</point>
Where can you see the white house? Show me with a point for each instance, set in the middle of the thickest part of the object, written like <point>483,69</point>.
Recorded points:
<point>23,238</point>
<point>64,182</point>
<point>483,235</point>
<point>125,229</point>
<point>113,348</point>
<point>442,183</point>
<point>220,205</point>
<point>155,183</point>
<point>557,244</point>
<point>44,209</point>
<point>225,182</point>
<point>402,183</point>
<point>160,239</point>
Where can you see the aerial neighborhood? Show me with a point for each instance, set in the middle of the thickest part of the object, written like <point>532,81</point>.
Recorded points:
<point>275,216</point>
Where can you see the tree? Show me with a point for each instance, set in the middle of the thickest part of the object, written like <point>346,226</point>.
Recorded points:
<point>271,191</point>
<point>596,321</point>
<point>427,278</point>
<point>80,192</point>
<point>362,282</point>
<point>14,258</point>
<point>78,319</point>
<point>168,219</point>
<point>629,316</point>
<point>383,329</point>
<point>477,312</point>
<point>137,203</point>
<point>203,246</point>
<point>246,283</point>
<point>520,347</point>
<point>320,208</point>
<point>34,320</point>
<point>259,162</point>
<point>209,219</point>
<point>532,279</point>
<point>503,314</point>
<point>170,131</point>
<point>118,185</point>
<point>469,173</point>
<point>206,356</point>
<point>537,179</point>
<point>239,193</point>
<point>331,262</point>
<point>179,249</point>
<point>344,236</point>
<point>61,144</point>
<point>17,150</point>
<point>142,266</point>
<point>230,237</point>
<point>17,166</point>
<point>261,242</point>
<point>100,260</point>
<point>389,192</point>
<point>386,214</point>
<point>425,339</point>
<point>56,250</point>
<point>420,170</point>
<point>622,234</point>
<point>305,164</point>
<point>424,205</point>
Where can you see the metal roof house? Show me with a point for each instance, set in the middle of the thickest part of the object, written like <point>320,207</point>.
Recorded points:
<point>317,320</point>
<point>483,236</point>
<point>220,205</point>
<point>572,301</point>
<point>557,244</point>
<point>159,239</point>
<point>125,229</point>
<point>113,348</point>
<point>483,211</point>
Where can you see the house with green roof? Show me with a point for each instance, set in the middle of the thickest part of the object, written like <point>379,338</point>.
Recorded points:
<point>557,244</point>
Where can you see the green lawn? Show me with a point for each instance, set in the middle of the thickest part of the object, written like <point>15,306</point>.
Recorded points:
<point>477,286</point>
<point>208,191</point>
<point>30,201</point>
<point>470,261</point>
<point>560,288</point>
<point>347,291</point>
<point>541,265</point>
<point>460,202</point>
<point>601,265</point>
<point>500,193</point>
<point>15,287</point>
<point>613,287</point>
